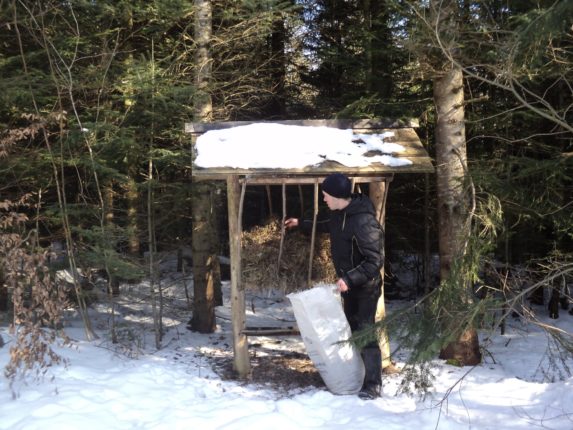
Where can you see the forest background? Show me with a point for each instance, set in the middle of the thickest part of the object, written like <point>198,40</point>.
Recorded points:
<point>94,96</point>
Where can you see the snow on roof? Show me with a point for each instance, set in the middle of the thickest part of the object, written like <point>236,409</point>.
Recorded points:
<point>271,145</point>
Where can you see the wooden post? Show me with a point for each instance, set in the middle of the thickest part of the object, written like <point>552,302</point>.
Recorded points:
<point>269,200</point>
<point>282,230</point>
<point>301,201</point>
<point>241,362</point>
<point>313,234</point>
<point>378,194</point>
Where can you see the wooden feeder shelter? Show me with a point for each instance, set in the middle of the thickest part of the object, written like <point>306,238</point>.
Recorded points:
<point>377,175</point>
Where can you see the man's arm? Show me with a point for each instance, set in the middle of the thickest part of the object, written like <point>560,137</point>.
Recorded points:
<point>369,238</point>
<point>306,225</point>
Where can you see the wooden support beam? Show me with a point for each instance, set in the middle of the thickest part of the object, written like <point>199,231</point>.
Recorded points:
<point>301,201</point>
<point>313,235</point>
<point>278,179</point>
<point>378,195</point>
<point>241,363</point>
<point>254,180</point>
<point>269,199</point>
<point>283,228</point>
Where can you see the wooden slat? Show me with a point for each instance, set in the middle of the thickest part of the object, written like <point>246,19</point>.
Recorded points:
<point>289,179</point>
<point>357,125</point>
<point>408,138</point>
<point>420,165</point>
<point>298,180</point>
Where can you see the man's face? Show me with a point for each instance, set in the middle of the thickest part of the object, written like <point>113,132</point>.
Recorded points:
<point>333,203</point>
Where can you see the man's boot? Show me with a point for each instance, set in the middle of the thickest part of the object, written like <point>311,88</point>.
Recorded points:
<point>372,386</point>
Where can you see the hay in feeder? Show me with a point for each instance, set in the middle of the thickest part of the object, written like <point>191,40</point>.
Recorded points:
<point>260,253</point>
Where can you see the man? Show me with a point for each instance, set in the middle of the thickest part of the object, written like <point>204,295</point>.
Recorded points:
<point>356,250</point>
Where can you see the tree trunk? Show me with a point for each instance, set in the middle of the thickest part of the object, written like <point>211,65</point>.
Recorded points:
<point>451,160</point>
<point>203,319</point>
<point>132,196</point>
<point>276,108</point>
<point>202,103</point>
<point>4,298</point>
<point>108,217</point>
<point>218,207</point>
<point>206,269</point>
<point>108,196</point>
<point>379,57</point>
<point>465,351</point>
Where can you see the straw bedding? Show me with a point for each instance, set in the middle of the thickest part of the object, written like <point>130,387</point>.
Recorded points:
<point>260,253</point>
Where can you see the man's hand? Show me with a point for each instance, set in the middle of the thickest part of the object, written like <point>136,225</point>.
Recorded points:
<point>291,222</point>
<point>342,287</point>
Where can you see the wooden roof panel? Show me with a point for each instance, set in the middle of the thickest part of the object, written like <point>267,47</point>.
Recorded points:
<point>404,136</point>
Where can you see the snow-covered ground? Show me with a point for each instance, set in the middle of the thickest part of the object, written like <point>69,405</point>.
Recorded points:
<point>134,386</point>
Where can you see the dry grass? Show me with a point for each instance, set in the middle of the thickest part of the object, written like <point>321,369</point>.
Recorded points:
<point>260,253</point>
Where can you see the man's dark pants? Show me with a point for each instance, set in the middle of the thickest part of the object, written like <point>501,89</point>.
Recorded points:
<point>360,310</point>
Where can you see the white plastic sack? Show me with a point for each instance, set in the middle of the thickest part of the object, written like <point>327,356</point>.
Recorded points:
<point>322,324</point>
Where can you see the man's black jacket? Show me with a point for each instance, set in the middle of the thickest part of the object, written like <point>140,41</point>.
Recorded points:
<point>356,242</point>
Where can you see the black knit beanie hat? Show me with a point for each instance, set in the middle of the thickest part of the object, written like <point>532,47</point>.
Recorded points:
<point>337,185</point>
